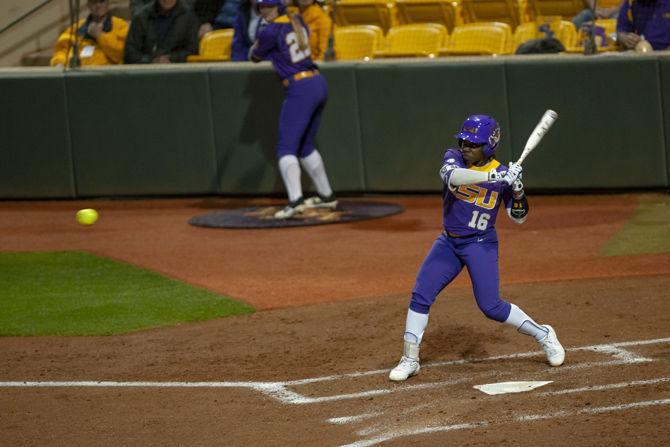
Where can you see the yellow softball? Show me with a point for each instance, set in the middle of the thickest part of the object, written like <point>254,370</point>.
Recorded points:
<point>87,216</point>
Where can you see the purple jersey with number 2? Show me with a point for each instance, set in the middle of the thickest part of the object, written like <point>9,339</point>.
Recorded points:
<point>472,209</point>
<point>278,43</point>
<point>305,98</point>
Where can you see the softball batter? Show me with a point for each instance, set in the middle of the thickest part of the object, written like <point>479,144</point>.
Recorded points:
<point>475,184</point>
<point>285,42</point>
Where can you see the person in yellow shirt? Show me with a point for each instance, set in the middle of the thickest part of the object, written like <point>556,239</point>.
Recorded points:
<point>100,38</point>
<point>319,24</point>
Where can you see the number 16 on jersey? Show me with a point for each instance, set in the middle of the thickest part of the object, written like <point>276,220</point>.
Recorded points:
<point>479,220</point>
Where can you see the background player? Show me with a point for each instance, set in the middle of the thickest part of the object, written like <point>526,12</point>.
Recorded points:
<point>474,186</point>
<point>285,42</point>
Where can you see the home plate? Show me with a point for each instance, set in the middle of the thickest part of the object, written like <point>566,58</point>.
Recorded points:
<point>509,387</point>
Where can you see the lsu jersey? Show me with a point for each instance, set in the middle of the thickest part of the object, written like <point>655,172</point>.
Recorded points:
<point>278,43</point>
<point>472,209</point>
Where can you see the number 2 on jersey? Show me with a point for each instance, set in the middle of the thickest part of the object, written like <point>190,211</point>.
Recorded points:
<point>479,220</point>
<point>294,47</point>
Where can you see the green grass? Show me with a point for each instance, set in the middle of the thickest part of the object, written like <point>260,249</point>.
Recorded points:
<point>75,293</point>
<point>647,231</point>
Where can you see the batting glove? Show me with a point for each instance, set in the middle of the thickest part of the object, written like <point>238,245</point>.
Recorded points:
<point>513,173</point>
<point>495,176</point>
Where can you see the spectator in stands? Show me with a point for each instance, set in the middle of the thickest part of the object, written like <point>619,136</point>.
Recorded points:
<point>588,15</point>
<point>100,38</point>
<point>227,15</point>
<point>648,18</point>
<point>162,33</point>
<point>137,5</point>
<point>247,25</point>
<point>206,10</point>
<point>319,23</point>
<point>215,14</point>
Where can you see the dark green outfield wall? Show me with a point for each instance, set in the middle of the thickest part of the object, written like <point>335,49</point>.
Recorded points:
<point>212,129</point>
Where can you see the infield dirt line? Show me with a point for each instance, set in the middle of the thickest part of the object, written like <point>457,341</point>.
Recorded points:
<point>520,418</point>
<point>279,390</point>
<point>611,386</point>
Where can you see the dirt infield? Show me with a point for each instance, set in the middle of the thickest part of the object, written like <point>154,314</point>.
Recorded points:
<point>311,368</point>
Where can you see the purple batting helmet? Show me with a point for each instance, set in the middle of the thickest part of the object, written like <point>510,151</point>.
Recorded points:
<point>481,129</point>
<point>278,3</point>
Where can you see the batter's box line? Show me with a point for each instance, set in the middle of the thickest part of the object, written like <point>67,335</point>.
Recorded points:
<point>522,418</point>
<point>623,356</point>
<point>280,391</point>
<point>586,389</point>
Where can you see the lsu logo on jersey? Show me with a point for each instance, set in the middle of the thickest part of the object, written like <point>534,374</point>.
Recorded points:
<point>481,197</point>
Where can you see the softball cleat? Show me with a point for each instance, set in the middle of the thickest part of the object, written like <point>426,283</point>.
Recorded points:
<point>322,202</point>
<point>409,363</point>
<point>552,347</point>
<point>291,209</point>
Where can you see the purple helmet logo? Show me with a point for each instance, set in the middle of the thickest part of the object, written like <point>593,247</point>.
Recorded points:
<point>481,129</point>
<point>495,136</point>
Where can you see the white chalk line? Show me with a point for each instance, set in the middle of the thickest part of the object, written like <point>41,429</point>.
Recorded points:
<point>352,419</point>
<point>608,348</point>
<point>521,418</point>
<point>611,386</point>
<point>586,389</point>
<point>597,410</point>
<point>279,391</point>
<point>115,384</point>
<point>413,432</point>
<point>290,397</point>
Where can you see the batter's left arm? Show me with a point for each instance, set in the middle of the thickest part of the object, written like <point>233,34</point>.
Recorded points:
<point>516,202</point>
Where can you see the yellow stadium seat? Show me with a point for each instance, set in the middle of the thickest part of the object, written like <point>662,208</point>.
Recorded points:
<point>357,41</point>
<point>214,47</point>
<point>566,9</point>
<point>608,24</point>
<point>525,32</point>
<point>427,11</point>
<point>567,33</point>
<point>564,31</point>
<point>480,38</point>
<point>415,40</point>
<point>504,11</point>
<point>365,12</point>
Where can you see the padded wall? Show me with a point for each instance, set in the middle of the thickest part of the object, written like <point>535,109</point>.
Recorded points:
<point>141,133</point>
<point>35,156</point>
<point>665,94</point>
<point>213,128</point>
<point>409,113</point>
<point>339,139</point>
<point>245,109</point>
<point>609,133</point>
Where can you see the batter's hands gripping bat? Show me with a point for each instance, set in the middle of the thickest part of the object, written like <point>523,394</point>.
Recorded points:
<point>538,133</point>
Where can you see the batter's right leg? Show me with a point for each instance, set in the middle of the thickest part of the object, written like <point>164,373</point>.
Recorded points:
<point>294,119</point>
<point>544,334</point>
<point>438,269</point>
<point>311,159</point>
